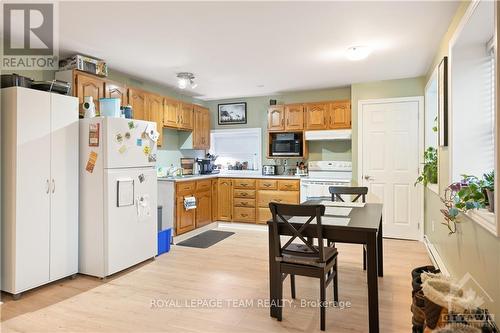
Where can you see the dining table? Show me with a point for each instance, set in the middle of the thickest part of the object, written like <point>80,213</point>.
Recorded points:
<point>354,223</point>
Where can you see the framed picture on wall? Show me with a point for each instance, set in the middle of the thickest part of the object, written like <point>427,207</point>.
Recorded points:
<point>232,113</point>
<point>443,102</point>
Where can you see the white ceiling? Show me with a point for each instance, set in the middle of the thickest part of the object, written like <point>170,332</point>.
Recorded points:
<point>234,47</point>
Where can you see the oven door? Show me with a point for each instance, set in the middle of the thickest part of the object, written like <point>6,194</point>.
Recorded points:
<point>311,189</point>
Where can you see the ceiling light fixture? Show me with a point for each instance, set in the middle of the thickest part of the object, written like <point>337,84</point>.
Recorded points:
<point>184,79</point>
<point>358,52</point>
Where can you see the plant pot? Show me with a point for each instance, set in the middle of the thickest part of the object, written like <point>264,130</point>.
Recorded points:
<point>491,200</point>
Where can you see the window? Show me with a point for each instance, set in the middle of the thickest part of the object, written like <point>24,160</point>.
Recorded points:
<point>431,112</point>
<point>235,147</point>
<point>473,98</point>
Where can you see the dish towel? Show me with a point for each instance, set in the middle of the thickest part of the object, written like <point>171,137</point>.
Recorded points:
<point>189,203</point>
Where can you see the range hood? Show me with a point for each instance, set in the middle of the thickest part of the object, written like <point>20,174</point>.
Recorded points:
<point>329,135</point>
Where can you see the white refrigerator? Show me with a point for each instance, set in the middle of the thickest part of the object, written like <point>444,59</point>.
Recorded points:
<point>118,194</point>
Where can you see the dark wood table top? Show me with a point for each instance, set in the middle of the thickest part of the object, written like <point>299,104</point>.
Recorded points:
<point>365,218</point>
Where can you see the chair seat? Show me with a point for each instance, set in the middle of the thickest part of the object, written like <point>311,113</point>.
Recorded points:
<point>303,255</point>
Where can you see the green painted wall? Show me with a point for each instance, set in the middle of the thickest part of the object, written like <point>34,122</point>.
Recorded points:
<point>257,117</point>
<point>379,89</point>
<point>473,249</point>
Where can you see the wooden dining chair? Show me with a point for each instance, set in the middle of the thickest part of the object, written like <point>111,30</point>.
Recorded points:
<point>303,258</point>
<point>359,193</point>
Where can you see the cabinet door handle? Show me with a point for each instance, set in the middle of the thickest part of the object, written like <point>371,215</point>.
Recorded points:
<point>53,185</point>
<point>244,215</point>
<point>244,203</point>
<point>267,185</point>
<point>48,187</point>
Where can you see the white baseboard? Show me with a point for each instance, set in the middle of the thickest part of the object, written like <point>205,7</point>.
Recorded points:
<point>436,259</point>
<point>242,226</point>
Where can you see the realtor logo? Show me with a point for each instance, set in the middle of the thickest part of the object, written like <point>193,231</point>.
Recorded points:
<point>28,36</point>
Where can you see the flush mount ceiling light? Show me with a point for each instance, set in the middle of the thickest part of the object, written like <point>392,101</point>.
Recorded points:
<point>358,52</point>
<point>184,79</point>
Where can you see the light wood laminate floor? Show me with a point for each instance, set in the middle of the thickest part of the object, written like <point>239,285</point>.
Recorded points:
<point>234,269</point>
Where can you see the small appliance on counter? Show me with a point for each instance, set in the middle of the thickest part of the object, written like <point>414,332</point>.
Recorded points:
<point>188,166</point>
<point>206,165</point>
<point>269,170</point>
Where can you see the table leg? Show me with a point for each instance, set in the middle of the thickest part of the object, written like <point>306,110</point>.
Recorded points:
<point>272,275</point>
<point>371,260</point>
<point>380,250</point>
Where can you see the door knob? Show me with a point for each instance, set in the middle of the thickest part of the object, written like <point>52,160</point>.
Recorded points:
<point>368,177</point>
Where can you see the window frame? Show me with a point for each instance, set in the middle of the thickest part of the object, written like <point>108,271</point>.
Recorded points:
<point>487,220</point>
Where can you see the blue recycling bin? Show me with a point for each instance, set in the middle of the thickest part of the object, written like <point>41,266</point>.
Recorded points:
<point>164,238</point>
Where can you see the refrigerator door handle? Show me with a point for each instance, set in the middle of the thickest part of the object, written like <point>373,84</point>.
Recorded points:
<point>48,187</point>
<point>53,185</point>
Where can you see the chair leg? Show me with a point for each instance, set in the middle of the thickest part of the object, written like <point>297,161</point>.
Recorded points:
<point>335,283</point>
<point>322,300</point>
<point>364,258</point>
<point>292,284</point>
<point>280,301</point>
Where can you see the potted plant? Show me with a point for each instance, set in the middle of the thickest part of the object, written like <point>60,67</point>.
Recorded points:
<point>429,172</point>
<point>461,197</point>
<point>489,188</point>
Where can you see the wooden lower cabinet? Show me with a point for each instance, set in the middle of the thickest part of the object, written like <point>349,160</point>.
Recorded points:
<point>273,190</point>
<point>244,214</point>
<point>203,208</point>
<point>215,191</point>
<point>224,199</point>
<point>185,218</point>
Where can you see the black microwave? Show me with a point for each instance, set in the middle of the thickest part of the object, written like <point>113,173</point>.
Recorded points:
<point>286,144</point>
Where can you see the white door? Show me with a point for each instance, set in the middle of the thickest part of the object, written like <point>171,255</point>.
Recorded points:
<point>131,217</point>
<point>127,145</point>
<point>390,162</point>
<point>64,187</point>
<point>33,195</point>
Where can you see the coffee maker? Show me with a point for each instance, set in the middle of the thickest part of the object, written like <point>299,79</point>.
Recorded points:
<point>206,165</point>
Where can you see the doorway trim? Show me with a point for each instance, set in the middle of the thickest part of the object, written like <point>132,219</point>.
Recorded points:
<point>421,134</point>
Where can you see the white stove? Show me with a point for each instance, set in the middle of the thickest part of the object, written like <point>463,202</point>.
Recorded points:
<point>322,175</point>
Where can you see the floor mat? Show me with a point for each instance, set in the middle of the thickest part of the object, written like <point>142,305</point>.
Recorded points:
<point>206,239</point>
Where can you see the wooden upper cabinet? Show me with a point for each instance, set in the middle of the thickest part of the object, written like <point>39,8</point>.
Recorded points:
<point>340,115</point>
<point>201,128</point>
<point>294,117</point>
<point>115,90</point>
<point>155,113</point>
<point>137,99</point>
<point>87,85</point>
<point>316,116</point>
<point>276,118</point>
<point>186,116</point>
<point>171,113</point>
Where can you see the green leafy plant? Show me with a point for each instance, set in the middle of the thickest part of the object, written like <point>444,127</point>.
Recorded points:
<point>489,189</point>
<point>489,180</point>
<point>461,197</point>
<point>429,172</point>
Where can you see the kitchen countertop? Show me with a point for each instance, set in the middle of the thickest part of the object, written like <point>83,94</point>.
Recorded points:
<point>224,175</point>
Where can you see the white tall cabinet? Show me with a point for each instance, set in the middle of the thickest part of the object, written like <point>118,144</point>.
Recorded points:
<point>39,188</point>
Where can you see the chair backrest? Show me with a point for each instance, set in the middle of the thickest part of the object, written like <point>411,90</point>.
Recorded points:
<point>338,191</point>
<point>281,215</point>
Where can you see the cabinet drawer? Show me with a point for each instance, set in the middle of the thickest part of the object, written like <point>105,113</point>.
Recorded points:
<point>263,215</point>
<point>289,197</point>
<point>237,193</point>
<point>289,185</point>
<point>239,202</point>
<point>185,188</point>
<point>242,214</point>
<point>244,183</point>
<point>268,184</point>
<point>203,185</point>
